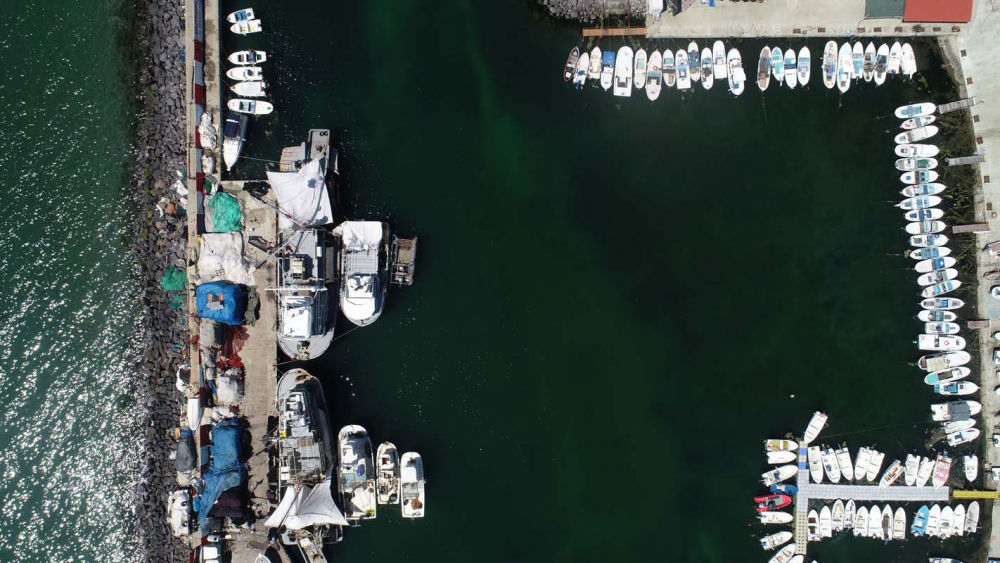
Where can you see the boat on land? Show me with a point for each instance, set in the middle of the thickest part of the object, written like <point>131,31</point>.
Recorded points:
<point>594,72</point>
<point>940,342</point>
<point>925,472</point>
<point>899,522</point>
<point>783,489</point>
<point>907,62</point>
<point>874,465</point>
<point>920,202</point>
<point>937,277</point>
<point>933,520</point>
<point>881,64</point>
<point>892,473</point>
<point>955,411</point>
<point>923,241</point>
<point>783,473</point>
<point>245,73</point>
<point>669,68</point>
<point>946,523</point>
<point>775,541</point>
<point>972,518</point>
<point>791,71</point>
<point>804,66</point>
<point>850,513</point>
<point>943,304</point>
<point>861,522</point>
<point>830,63</point>
<point>768,503</point>
<point>356,474</point>
<point>694,61</point>
<point>964,436</point>
<point>830,464</point>
<point>924,215</point>
<point>786,555</point>
<point>844,460</point>
<point>917,150</point>
<point>719,60</point>
<point>774,458</point>
<point>917,122</point>
<point>683,71</point>
<point>764,68</point>
<point>654,76</point>
<point>908,164</point>
<point>737,78</point>
<point>249,57</point>
<point>243,15</point>
<point>364,269</point>
<point>970,464</point>
<point>919,526</point>
<point>919,177</point>
<point>844,72</point>
<point>815,426</point>
<point>778,65</point>
<point>607,69</point>
<point>939,362</point>
<point>388,473</point>
<point>639,77</point>
<point>955,389</point>
<point>825,522</point>
<point>623,72</point>
<point>250,107</point>
<point>942,469</point>
<point>775,517</point>
<point>780,445</point>
<point>234,134</point>
<point>895,54</point>
<point>582,69</point>
<point>950,375</point>
<point>915,110</point>
<point>916,135</point>
<point>868,69</point>
<point>925,227</point>
<point>250,88</point>
<point>930,252</point>
<point>874,522</point>
<point>932,264</point>
<point>838,515</point>
<point>917,190</point>
<point>911,467</point>
<point>569,70</point>
<point>958,521</point>
<point>815,464</point>
<point>861,463</point>
<point>707,75</point>
<point>246,27</point>
<point>411,488</point>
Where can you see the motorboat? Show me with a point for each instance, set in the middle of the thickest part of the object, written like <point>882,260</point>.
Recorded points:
<point>956,388</point>
<point>930,252</point>
<point>931,240</point>
<point>830,63</point>
<point>683,72</point>
<point>919,176</point>
<point>941,328</point>
<point>786,555</point>
<point>813,532</point>
<point>775,541</point>
<point>804,66</point>
<point>783,489</point>
<point>919,526</point>
<point>868,69</point>
<point>881,64</point>
<point>949,375</point>
<point>946,523</point>
<point>607,69</point>
<point>915,110</point>
<point>891,474</point>
<point>246,27</point>
<point>654,76</point>
<point>861,463</point>
<point>249,107</point>
<point>850,513</point>
<point>778,65</point>
<point>306,265</point>
<point>899,522</point>
<point>780,445</point>
<point>582,70</point>
<point>917,150</point>
<point>844,72</point>
<point>970,464</point>
<point>830,465</point>
<point>908,62</point>
<point>918,215</point>
<point>925,472</point>
<point>916,135</point>
<point>958,521</point>
<point>639,71</point>
<point>623,72</point>
<point>387,484</point>
<point>911,467</point>
<point>250,89</point>
<point>719,66</point>
<point>783,473</point>
<point>816,425</point>
<point>775,517</point>
<point>942,469</point>
<point>357,475</point>
<point>874,522</point>
<point>234,134</point>
<point>861,522</point>
<point>412,486</point>
<point>838,515</point>
<point>895,55</point>
<point>886,532</point>
<point>943,304</point>
<point>959,425</point>
<point>933,520</point>
<point>920,202</point>
<point>925,227</point>
<point>250,57</point>
<point>245,73</point>
<point>364,269</point>
<point>972,518</point>
<point>243,15</point>
<point>764,68</point>
<point>955,410</point>
<point>707,74</point>
<point>790,70</point>
<point>737,78</point>
<point>825,522</point>
<point>918,190</point>
<point>965,436</point>
<point>569,70</point>
<point>844,460</point>
<point>939,342</point>
<point>857,60</point>
<point>815,464</point>
<point>917,122</point>
<point>911,164</point>
<point>694,61</point>
<point>774,458</point>
<point>594,72</point>
<point>874,465</point>
<point>669,68</point>
<point>937,277</point>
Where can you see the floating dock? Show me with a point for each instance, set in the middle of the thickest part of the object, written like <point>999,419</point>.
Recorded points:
<point>955,106</point>
<point>614,31</point>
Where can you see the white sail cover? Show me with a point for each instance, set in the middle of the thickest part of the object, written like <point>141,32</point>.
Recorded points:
<point>303,195</point>
<point>361,234</point>
<point>311,507</point>
<point>221,259</point>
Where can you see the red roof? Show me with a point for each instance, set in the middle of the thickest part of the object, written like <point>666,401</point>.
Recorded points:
<point>950,11</point>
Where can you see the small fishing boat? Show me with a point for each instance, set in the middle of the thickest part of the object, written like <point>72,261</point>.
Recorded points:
<point>937,277</point>
<point>250,89</point>
<point>861,522</point>
<point>582,70</point>
<point>683,71</point>
<point>959,425</point>
<point>925,472</point>
<point>246,27</point>
<point>910,164</point>
<point>919,176</point>
<point>356,474</point>
<point>243,15</point>
<point>915,110</point>
<point>623,72</point>
<point>654,76</point>
<point>669,68</point>
<point>607,69</point>
<point>594,73</point>
<point>917,122</point>
<point>775,517</point>
<point>844,69</point>
<point>783,489</point>
<point>569,70</point>
<point>910,469</point>
<point>249,107</point>
<point>791,72</point>
<point>885,532</point>
<point>737,78</point>
<point>639,78</point>
<point>775,541</point>
<point>874,465</point>
<point>891,474</point>
<point>955,410</point>
<point>917,190</point>
<point>972,518</point>
<point>815,464</point>
<point>921,202</point>
<point>917,151</point>
<point>930,252</point>
<point>916,135</point>
<point>719,67</point>
<point>249,73</point>
<point>946,522</point>
<point>815,426</point>
<point>943,304</point>
<point>970,464</point>
<point>250,57</point>
<point>804,66</point>
<point>939,342</point>
<point>919,526</point>
<point>932,264</point>
<point>778,64</point>
<point>764,68</point>
<point>942,469</point>
<point>958,521</point>
<point>830,465</point>
<point>411,488</point>
<point>941,328</point>
<point>908,62</point>
<point>868,70</point>
<point>825,522</point>
<point>780,445</point>
<point>899,521</point>
<point>785,555</point>
<point>830,63</point>
<point>956,388</point>
<point>965,436</point>
<point>850,514</point>
<point>895,55</point>
<point>922,241</point>
<point>774,458</point>
<point>943,377</point>
<point>707,75</point>
<point>881,64</point>
<point>874,522</point>
<point>783,473</point>
<point>694,61</point>
<point>861,463</point>
<point>923,215</point>
<point>768,503</point>
<point>857,60</point>
<point>925,227</point>
<point>933,520</point>
<point>844,460</point>
<point>388,473</point>
<point>838,515</point>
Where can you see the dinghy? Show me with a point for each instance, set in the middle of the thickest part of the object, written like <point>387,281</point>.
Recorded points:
<point>919,526</point>
<point>861,463</point>
<point>916,135</point>
<point>932,264</point>
<point>919,176</point>
<point>921,241</point>
<point>915,110</point>
<point>775,541</point>
<point>861,522</point>
<point>940,343</point>
<point>899,520</point>
<point>775,517</point>
<point>911,164</point>
<point>930,252</point>
<point>939,362</point>
<point>815,426</point>
<point>639,78</point>
<point>804,66</point>
<point>937,277</point>
<point>874,522</point>
<point>683,72</point>
<point>764,68</point>
<point>844,69</point>
<point>916,122</point>
<point>253,89</point>
<point>582,70</point>
<point>943,304</point>
<point>780,445</point>
<point>250,57</point>
<point>825,522</point>
<point>942,469</point>
<point>718,61</point>
<point>783,489</point>
<point>868,69</point>
<point>953,389</point>
<point>791,71</point>
<point>922,189</point>
<point>778,65</point>
<point>785,555</point>
<point>815,464</point>
<point>595,64</point>
<point>910,469</point>
<point>694,61</point>
<point>922,202</point>
<point>830,465</point>
<point>607,69</point>
<point>907,63</point>
<point>838,515</point>
<point>915,151</point>
<point>247,27</point>
<point>946,522</point>
<point>654,76</point>
<point>965,436</point>
<point>857,60</point>
<point>669,68</point>
<point>623,72</point>
<point>249,73</point>
<point>849,514</point>
<point>569,70</point>
<point>947,376</point>
<point>844,460</point>
<point>925,227</point>
<point>241,16</point>
<point>972,518</point>
<point>955,410</point>
<point>925,472</point>
<point>774,458</point>
<point>895,55</point>
<point>874,465</point>
<point>891,474</point>
<point>881,64</point>
<point>923,215</point>
<point>958,521</point>
<point>768,503</point>
<point>933,519</point>
<point>737,78</point>
<point>783,473</point>
<point>830,63</point>
<point>970,464</point>
<point>249,107</point>
<point>959,425</point>
<point>707,75</point>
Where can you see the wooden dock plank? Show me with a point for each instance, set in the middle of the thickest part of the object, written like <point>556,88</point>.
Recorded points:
<point>613,31</point>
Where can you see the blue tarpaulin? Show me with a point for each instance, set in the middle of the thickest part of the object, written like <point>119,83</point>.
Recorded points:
<point>225,470</point>
<point>222,301</point>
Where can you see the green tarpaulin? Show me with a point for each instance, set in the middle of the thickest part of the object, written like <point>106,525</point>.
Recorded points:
<point>884,8</point>
<point>227,217</point>
<point>174,279</point>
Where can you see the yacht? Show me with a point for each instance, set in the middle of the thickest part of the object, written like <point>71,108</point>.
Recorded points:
<point>356,473</point>
<point>363,269</point>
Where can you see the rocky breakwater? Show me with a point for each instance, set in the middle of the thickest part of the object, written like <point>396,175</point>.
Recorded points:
<point>159,244</point>
<point>595,10</point>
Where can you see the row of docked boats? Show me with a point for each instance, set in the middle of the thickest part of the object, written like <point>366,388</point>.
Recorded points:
<point>246,72</point>
<point>938,522</point>
<point>863,521</point>
<point>847,64</point>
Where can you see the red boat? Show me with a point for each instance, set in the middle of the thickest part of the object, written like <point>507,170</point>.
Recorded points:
<point>772,502</point>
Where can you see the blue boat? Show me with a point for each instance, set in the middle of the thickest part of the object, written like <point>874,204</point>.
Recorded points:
<point>920,521</point>
<point>784,488</point>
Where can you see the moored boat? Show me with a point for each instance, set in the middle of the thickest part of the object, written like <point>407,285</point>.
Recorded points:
<point>916,135</point>
<point>931,252</point>
<point>959,425</point>
<point>816,425</point>
<point>946,522</point>
<point>861,522</point>
<point>939,342</point>
<point>933,520</point>
<point>388,473</point>
<point>936,316</point>
<point>640,70</point>
<point>683,71</point>
<point>607,69</point>
<point>891,474</point>
<point>707,75</point>
<point>923,241</point>
<point>943,304</point>
<point>948,375</point>
<point>830,64</point>
<point>919,176</point>
<point>669,68</point>
<point>737,78</point>
<point>908,62</point>
<point>594,72</point>
<point>785,555</point>
<point>844,70</point>
<point>246,27</point>
<point>623,72</point>
<point>886,530</point>
<point>955,411</point>
<point>925,227</point>
<point>861,463</point>
<point>874,465</point>
<point>779,474</point>
<point>791,71</point>
<point>694,61</point>
<point>920,202</point>
<point>899,522</point>
<point>774,458</point>
<point>919,190</point>
<point>234,134</point>
<point>775,517</point>
<point>241,15</point>
<point>874,522</point>
<point>965,436</point>
<point>774,541</point>
<point>764,68</point>
<point>249,107</point>
<point>357,475</point>
<point>915,110</point>
<point>916,150</point>
<point>925,472</point>
<point>916,122</point>
<point>850,513</point>
<point>830,465</point>
<point>958,521</point>
<point>825,522</point>
<point>780,445</point>
<point>881,64</point>
<point>719,60</point>
<point>919,526</point>
<point>569,69</point>
<point>912,164</point>
<point>895,54</point>
<point>937,276</point>
<point>942,469</point>
<point>245,73</point>
<point>972,518</point>
<point>970,465</point>
<point>778,65</point>
<point>250,88</point>
<point>582,70</point>
<point>411,486</point>
<point>768,503</point>
<point>249,57</point>
<point>911,467</point>
<point>941,328</point>
<point>804,66</point>
<point>305,274</point>
<point>857,60</point>
<point>815,464</point>
<point>918,215</point>
<point>654,76</point>
<point>364,269</point>
<point>844,460</point>
<point>941,289</point>
<point>838,515</point>
<point>868,69</point>
<point>783,489</point>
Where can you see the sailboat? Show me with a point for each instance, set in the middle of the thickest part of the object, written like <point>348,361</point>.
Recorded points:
<point>804,66</point>
<point>844,70</point>
<point>764,69</point>
<point>623,72</point>
<point>830,62</point>
<point>737,78</point>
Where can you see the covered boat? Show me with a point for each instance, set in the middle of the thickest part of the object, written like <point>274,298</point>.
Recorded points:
<point>623,72</point>
<point>250,89</point>
<point>412,486</point>
<point>783,489</point>
<point>364,269</point>
<point>357,475</point>
<point>955,410</point>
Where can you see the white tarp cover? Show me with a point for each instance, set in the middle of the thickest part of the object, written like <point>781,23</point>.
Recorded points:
<point>310,507</point>
<point>194,412</point>
<point>179,507</point>
<point>303,195</point>
<point>228,390</point>
<point>207,132</point>
<point>358,234</point>
<point>288,500</point>
<point>221,259</point>
<point>655,7</point>
<point>296,317</point>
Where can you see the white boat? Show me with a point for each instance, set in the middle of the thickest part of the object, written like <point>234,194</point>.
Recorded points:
<point>234,134</point>
<point>594,73</point>
<point>899,522</point>
<point>639,76</point>
<point>669,68</point>
<point>932,264</point>
<point>250,73</point>
<point>924,214</point>
<point>910,164</point>
<point>816,425</point>
<point>364,268</point>
<point>930,252</point>
<point>830,465</point>
<point>891,474</point>
<point>623,72</point>
<point>955,410</point>
<point>707,74</point>
<point>861,463</point>
<point>777,475</point>
<point>915,110</point>
<point>775,541</point>
<point>919,176</point>
<point>249,57</point>
<point>970,464</point>
<point>572,63</point>
<point>965,436</point>
<point>911,468</point>
<point>916,135</point>
<point>775,517</point>
<point>925,472</point>
<point>917,190</point>
<point>941,328</point>
<point>778,64</point>
<point>607,69</point>
<point>916,122</point>
<point>780,445</point>
<point>250,107</point>
<point>844,460</point>
<point>959,425</point>
<point>830,64</point>
<point>857,60</point>
<point>774,458</point>
<point>874,522</point>
<point>246,27</point>
<point>387,459</point>
<point>804,66</point>
<point>925,241</point>
<point>917,150</point>
<point>241,16</point>
<point>933,522</point>
<point>942,469</point>
<point>825,522</point>
<point>250,89</point>
<point>785,555</point>
<point>972,518</point>
<point>654,76</point>
<point>946,523</point>
<point>861,522</point>
<point>881,64</point>
<point>958,521</point>
<point>953,389</point>
<point>683,73</point>
<point>925,227</point>
<point>582,70</point>
<point>949,375</point>
<point>937,277</point>
<point>791,71</point>
<point>885,530</point>
<point>939,342</point>
<point>764,68</point>
<point>719,61</point>
<point>908,62</point>
<point>850,513</point>
<point>357,475</point>
<point>412,486</point>
<point>694,61</point>
<point>815,464</point>
<point>737,78</point>
<point>844,69</point>
<point>895,56</point>
<point>920,202</point>
<point>868,70</point>
<point>838,515</point>
<point>943,304</point>
<point>874,465</point>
